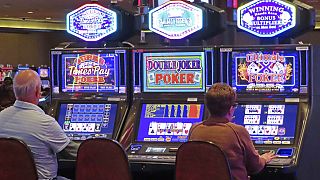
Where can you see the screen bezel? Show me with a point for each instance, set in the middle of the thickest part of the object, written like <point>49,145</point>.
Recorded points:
<point>138,119</point>
<point>122,72</point>
<point>177,49</point>
<point>298,122</point>
<point>117,122</point>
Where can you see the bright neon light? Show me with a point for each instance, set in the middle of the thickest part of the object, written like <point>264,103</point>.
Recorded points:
<point>91,22</point>
<point>175,19</point>
<point>266,18</point>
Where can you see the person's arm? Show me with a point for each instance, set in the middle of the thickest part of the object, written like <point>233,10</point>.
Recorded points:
<point>54,136</point>
<point>191,131</point>
<point>254,162</point>
<point>70,151</point>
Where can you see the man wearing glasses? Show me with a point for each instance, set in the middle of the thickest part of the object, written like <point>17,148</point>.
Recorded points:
<point>233,139</point>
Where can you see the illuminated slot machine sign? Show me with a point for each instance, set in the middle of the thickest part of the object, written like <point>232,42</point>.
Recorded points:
<point>22,68</point>
<point>268,124</point>
<point>176,19</point>
<point>173,72</point>
<point>89,72</point>
<point>43,72</point>
<point>265,71</point>
<point>81,121</point>
<point>266,18</point>
<point>168,122</point>
<point>91,22</point>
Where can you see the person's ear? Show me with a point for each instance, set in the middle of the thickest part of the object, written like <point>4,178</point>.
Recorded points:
<point>230,110</point>
<point>38,92</point>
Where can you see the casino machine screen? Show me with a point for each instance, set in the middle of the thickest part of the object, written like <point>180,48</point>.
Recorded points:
<point>83,121</point>
<point>90,72</point>
<point>174,72</point>
<point>168,122</point>
<point>268,123</point>
<point>265,71</point>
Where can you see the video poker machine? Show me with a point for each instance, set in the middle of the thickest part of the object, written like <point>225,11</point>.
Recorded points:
<point>89,91</point>
<point>274,95</point>
<point>5,71</point>
<point>44,73</point>
<point>169,86</point>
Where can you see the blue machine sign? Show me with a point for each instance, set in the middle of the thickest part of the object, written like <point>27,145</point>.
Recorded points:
<point>266,18</point>
<point>91,22</point>
<point>175,19</point>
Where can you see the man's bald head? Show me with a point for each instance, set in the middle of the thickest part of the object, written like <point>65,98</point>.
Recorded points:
<point>27,86</point>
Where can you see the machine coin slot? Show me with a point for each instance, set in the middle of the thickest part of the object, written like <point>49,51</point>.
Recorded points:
<point>285,152</point>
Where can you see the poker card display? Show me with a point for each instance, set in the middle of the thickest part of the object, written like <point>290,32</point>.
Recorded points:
<point>268,123</point>
<point>168,122</point>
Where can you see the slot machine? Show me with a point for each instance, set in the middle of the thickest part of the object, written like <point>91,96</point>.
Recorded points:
<point>169,86</point>
<point>5,71</point>
<point>21,67</point>
<point>273,85</point>
<point>44,73</point>
<point>89,91</point>
<point>7,96</point>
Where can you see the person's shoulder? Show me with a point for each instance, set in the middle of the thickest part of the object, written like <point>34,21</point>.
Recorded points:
<point>44,117</point>
<point>238,128</point>
<point>197,124</point>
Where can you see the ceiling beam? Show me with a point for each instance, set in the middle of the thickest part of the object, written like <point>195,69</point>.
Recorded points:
<point>31,24</point>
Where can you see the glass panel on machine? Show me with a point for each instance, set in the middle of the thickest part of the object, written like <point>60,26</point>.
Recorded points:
<point>90,72</point>
<point>174,72</point>
<point>82,121</point>
<point>168,122</point>
<point>268,123</point>
<point>265,71</point>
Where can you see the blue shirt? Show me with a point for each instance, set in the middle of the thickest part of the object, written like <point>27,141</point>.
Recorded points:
<point>39,131</point>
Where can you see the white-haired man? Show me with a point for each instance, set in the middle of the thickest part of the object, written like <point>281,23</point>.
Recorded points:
<point>26,121</point>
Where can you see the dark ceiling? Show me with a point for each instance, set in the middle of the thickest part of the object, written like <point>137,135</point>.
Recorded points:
<point>47,10</point>
<point>17,13</point>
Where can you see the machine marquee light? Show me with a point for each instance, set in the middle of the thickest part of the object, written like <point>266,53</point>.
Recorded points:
<point>91,22</point>
<point>266,18</point>
<point>175,19</point>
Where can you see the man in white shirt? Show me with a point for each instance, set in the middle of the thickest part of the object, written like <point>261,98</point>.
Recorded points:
<point>26,121</point>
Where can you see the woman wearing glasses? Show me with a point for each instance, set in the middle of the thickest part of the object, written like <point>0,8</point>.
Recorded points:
<point>233,139</point>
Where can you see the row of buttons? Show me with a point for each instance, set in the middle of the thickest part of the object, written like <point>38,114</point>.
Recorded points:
<point>152,158</point>
<point>278,161</point>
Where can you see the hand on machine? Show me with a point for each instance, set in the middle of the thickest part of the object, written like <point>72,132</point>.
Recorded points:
<point>269,156</point>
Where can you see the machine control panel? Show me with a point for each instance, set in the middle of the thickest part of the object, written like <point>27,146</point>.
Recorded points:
<point>152,153</point>
<point>284,156</point>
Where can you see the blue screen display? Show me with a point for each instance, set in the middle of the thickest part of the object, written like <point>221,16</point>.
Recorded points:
<point>268,123</point>
<point>168,122</point>
<point>90,72</point>
<point>265,71</point>
<point>83,121</point>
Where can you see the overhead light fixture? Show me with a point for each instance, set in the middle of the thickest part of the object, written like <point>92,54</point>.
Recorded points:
<point>48,18</point>
<point>30,12</point>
